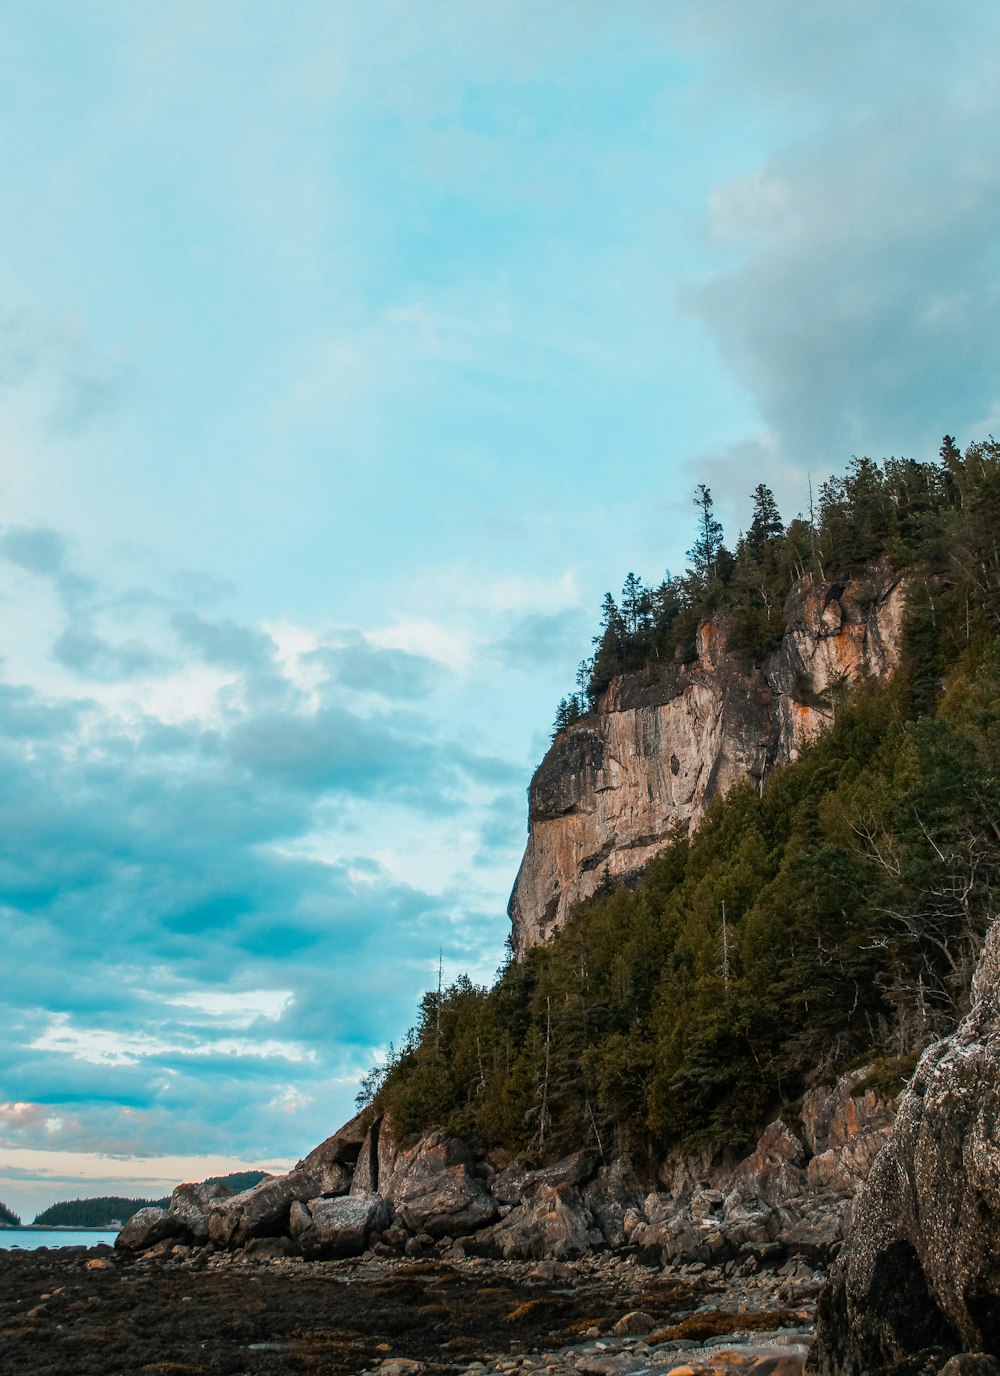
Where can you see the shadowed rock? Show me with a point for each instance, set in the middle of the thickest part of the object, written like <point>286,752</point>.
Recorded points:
<point>147,1227</point>
<point>921,1269</point>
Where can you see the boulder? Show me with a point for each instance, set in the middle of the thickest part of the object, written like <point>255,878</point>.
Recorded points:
<point>552,1224</point>
<point>366,1168</point>
<point>338,1227</point>
<point>434,1190</point>
<point>522,1177</point>
<point>148,1227</point>
<point>775,1170</point>
<point>192,1204</point>
<point>844,1131</point>
<point>920,1271</point>
<point>263,1210</point>
<point>332,1162</point>
<point>609,1197</point>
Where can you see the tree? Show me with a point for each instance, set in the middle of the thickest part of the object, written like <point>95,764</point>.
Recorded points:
<point>766,523</point>
<point>705,551</point>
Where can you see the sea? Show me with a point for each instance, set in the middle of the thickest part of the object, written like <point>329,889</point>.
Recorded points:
<point>32,1238</point>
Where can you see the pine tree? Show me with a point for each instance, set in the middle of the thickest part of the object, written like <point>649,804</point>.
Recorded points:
<point>705,551</point>
<point>766,522</point>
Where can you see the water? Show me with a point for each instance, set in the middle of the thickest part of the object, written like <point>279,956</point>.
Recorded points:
<point>30,1238</point>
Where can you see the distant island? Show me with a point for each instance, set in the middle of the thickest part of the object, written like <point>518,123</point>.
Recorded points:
<point>111,1211</point>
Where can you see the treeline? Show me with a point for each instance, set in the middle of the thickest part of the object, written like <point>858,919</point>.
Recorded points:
<point>835,919</point>
<point>103,1211</point>
<point>941,516</point>
<point>8,1218</point>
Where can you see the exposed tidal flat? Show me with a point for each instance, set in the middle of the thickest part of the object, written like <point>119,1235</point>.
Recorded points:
<point>193,1312</point>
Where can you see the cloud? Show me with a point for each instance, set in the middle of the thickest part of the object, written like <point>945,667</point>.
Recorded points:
<point>73,383</point>
<point>37,549</point>
<point>186,972</point>
<point>544,638</point>
<point>359,663</point>
<point>859,301</point>
<point>90,655</point>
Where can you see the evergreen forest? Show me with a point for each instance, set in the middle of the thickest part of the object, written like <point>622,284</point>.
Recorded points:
<point>831,922</point>
<point>8,1219</point>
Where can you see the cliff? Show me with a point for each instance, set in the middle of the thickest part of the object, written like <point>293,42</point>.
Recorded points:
<point>615,787</point>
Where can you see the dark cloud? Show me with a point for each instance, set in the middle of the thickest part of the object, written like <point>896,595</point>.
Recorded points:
<point>36,548</point>
<point>360,665</point>
<point>224,643</point>
<point>863,312</point>
<point>90,655</point>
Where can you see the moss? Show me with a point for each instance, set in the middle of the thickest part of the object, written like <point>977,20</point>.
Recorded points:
<point>889,1075</point>
<point>791,1115</point>
<point>717,1321</point>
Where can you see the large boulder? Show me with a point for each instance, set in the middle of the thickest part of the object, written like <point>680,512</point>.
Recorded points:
<point>434,1189</point>
<point>553,1224</point>
<point>920,1271</point>
<point>522,1177</point>
<point>264,1210</point>
<point>608,1198</point>
<point>332,1162</point>
<point>192,1205</point>
<point>147,1227</point>
<point>774,1172</point>
<point>338,1227</point>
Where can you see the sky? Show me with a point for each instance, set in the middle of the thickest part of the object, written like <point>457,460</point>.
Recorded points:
<point>348,355</point>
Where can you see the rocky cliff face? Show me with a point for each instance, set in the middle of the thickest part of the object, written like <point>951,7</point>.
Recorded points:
<point>919,1276</point>
<point>615,787</point>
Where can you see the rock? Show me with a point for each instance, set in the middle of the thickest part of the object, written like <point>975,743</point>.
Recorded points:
<point>332,1162</point>
<point>338,1227</point>
<point>845,1131</point>
<point>775,1171</point>
<point>269,1247</point>
<point>635,1321</point>
<point>552,1224</point>
<point>148,1227</point>
<point>433,1189</point>
<point>615,787</point>
<point>971,1364</point>
<point>551,1270</point>
<point>264,1210</point>
<point>609,1198</point>
<point>192,1205</point>
<point>522,1177</point>
<point>366,1169</point>
<point>920,1271</point>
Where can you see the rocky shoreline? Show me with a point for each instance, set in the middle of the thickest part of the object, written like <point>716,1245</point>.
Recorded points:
<point>206,1313</point>
<point>891,1217</point>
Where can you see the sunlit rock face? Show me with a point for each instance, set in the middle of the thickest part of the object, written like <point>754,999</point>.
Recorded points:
<point>615,787</point>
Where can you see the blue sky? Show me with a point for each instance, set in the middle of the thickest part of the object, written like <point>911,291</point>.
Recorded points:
<point>348,353</point>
